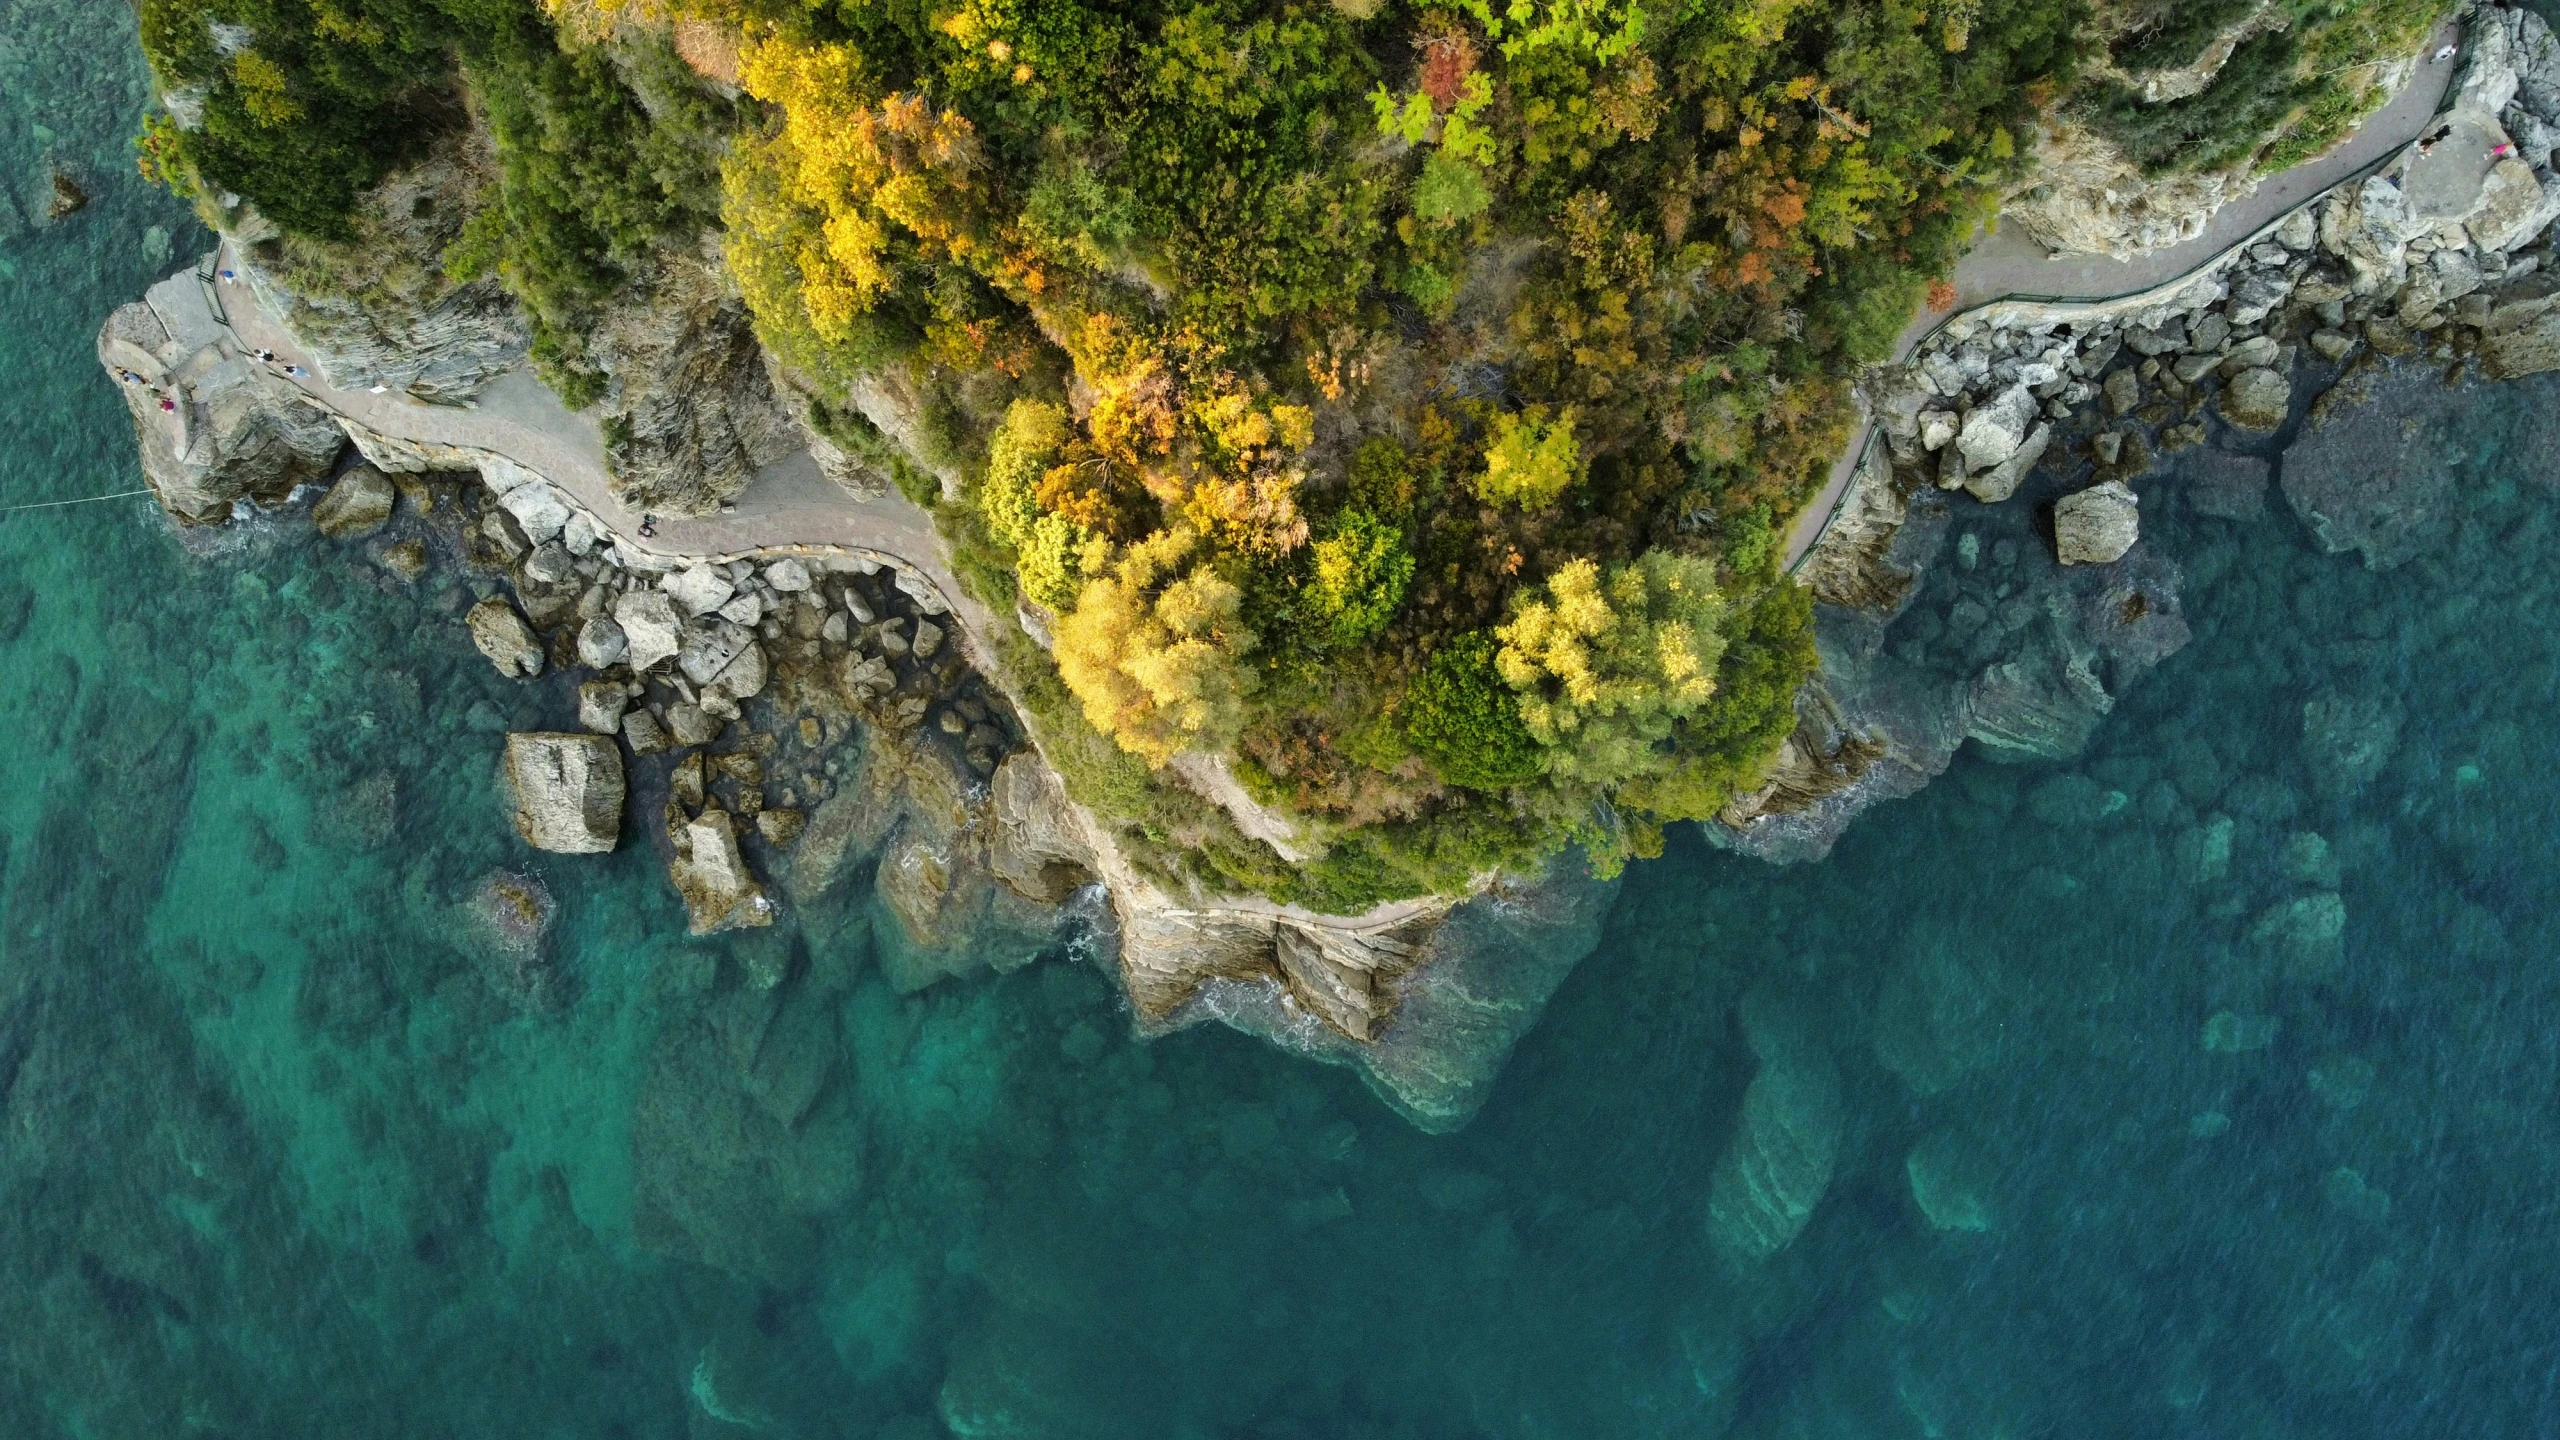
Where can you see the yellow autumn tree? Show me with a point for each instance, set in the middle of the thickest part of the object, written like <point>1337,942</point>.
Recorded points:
<point>1152,650</point>
<point>1605,663</point>
<point>821,209</point>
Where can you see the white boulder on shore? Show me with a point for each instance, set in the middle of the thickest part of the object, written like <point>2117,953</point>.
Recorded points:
<point>568,791</point>
<point>650,631</point>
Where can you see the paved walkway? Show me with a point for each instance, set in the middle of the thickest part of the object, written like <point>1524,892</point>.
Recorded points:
<point>2008,265</point>
<point>789,505</point>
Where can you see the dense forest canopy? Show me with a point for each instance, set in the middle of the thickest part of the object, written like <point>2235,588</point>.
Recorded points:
<point>1402,404</point>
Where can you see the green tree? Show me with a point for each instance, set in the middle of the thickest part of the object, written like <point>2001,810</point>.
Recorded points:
<point>1530,459</point>
<point>1361,571</point>
<point>1459,715</point>
<point>1606,663</point>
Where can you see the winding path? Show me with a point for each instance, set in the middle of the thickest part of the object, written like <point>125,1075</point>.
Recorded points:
<point>787,506</point>
<point>2007,265</point>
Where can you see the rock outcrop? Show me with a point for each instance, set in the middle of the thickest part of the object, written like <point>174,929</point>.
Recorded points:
<point>694,408</point>
<point>379,310</point>
<point>215,425</point>
<point>568,791</point>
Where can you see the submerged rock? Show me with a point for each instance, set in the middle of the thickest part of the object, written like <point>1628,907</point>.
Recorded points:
<point>1778,1164</point>
<point>1950,1181</point>
<point>506,925</point>
<point>568,791</point>
<point>2372,477</point>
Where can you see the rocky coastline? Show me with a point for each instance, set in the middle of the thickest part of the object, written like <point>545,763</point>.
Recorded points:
<point>792,727</point>
<point>800,725</point>
<point>1984,578</point>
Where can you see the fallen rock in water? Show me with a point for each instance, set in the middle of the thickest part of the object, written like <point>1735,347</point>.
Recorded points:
<point>407,560</point>
<point>68,197</point>
<point>651,632</point>
<point>2098,525</point>
<point>2258,399</point>
<point>568,791</point>
<point>503,636</point>
<point>719,892</point>
<point>359,504</point>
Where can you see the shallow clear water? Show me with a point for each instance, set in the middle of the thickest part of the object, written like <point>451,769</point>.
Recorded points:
<point>283,1152</point>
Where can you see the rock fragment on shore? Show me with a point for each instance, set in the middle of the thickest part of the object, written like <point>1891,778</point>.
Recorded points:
<point>503,636</point>
<point>568,791</point>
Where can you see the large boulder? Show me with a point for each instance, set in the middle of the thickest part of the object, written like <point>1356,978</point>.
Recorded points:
<point>2257,399</point>
<point>601,642</point>
<point>719,891</point>
<point>2097,525</point>
<point>1996,430</point>
<point>651,632</point>
<point>700,589</point>
<point>359,504</point>
<point>568,791</point>
<point>503,636</point>
<point>2515,206</point>
<point>708,645</point>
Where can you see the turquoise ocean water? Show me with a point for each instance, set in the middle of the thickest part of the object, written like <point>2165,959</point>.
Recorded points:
<point>284,1152</point>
